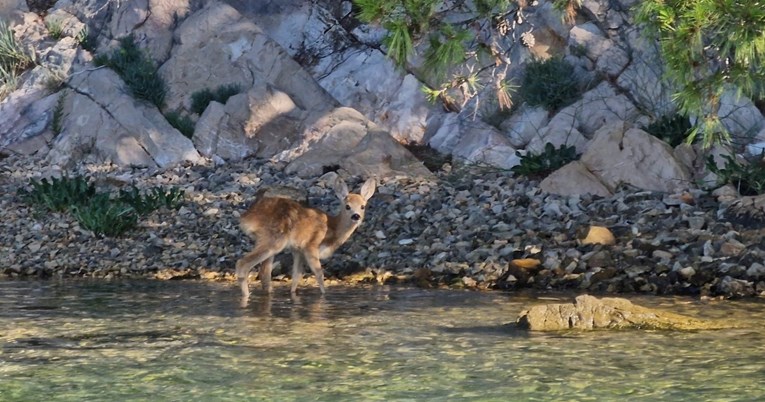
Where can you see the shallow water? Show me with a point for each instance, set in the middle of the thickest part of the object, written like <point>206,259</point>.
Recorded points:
<point>183,341</point>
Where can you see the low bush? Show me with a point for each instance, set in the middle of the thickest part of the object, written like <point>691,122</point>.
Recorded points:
<point>105,216</point>
<point>137,70</point>
<point>181,122</point>
<point>100,212</point>
<point>152,199</point>
<point>549,83</point>
<point>432,159</point>
<point>59,194</point>
<point>85,39</point>
<point>537,166</point>
<point>672,129</point>
<point>748,178</point>
<point>201,99</point>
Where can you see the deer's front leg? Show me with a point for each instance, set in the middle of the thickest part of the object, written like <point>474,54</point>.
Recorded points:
<point>297,270</point>
<point>312,259</point>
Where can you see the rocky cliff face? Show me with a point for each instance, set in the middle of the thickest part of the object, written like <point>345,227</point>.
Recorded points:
<point>316,90</point>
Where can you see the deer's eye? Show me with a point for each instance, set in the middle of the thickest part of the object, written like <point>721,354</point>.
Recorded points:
<point>348,207</point>
<point>362,207</point>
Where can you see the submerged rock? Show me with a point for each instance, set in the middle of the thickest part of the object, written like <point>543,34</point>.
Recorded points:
<point>589,312</point>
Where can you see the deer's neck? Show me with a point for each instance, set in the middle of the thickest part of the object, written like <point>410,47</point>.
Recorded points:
<point>339,229</point>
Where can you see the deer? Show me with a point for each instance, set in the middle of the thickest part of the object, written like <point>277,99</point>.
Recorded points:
<point>277,224</point>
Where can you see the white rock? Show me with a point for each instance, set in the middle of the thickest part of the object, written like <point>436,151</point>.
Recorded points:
<point>589,37</point>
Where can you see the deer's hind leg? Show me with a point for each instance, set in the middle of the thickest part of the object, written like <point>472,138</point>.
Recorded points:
<point>265,274</point>
<point>263,251</point>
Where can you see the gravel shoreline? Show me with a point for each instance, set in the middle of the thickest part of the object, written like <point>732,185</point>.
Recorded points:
<point>465,228</point>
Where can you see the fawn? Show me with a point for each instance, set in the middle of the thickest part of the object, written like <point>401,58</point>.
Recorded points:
<point>277,223</point>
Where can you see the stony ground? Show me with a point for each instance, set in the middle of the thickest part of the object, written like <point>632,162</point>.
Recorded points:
<point>465,228</point>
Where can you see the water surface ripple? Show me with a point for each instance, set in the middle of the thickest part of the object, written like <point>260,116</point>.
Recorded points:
<point>80,340</point>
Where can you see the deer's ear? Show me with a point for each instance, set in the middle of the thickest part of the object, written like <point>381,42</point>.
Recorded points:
<point>368,189</point>
<point>341,189</point>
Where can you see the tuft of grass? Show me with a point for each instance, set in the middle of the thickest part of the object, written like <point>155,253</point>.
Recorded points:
<point>137,70</point>
<point>9,81</point>
<point>201,99</point>
<point>537,166</point>
<point>59,194</point>
<point>12,54</point>
<point>100,212</point>
<point>105,216</point>
<point>152,200</point>
<point>181,122</point>
<point>85,40</point>
<point>58,115</point>
<point>13,60</point>
<point>55,29</point>
<point>549,83</point>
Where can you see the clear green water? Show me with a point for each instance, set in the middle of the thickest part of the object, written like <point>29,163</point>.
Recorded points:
<point>192,341</point>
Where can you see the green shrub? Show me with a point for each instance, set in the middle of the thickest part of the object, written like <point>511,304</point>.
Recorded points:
<point>59,194</point>
<point>85,40</point>
<point>181,122</point>
<point>13,60</point>
<point>137,70</point>
<point>749,179</point>
<point>104,216</point>
<point>541,165</point>
<point>672,129</point>
<point>58,115</point>
<point>549,83</point>
<point>201,99</point>
<point>55,29</point>
<point>9,81</point>
<point>99,211</point>
<point>152,200</point>
<point>12,55</point>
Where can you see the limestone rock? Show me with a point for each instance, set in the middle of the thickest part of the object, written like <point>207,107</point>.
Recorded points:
<point>620,155</point>
<point>613,61</point>
<point>561,130</point>
<point>589,37</point>
<point>643,77</point>
<point>444,132</point>
<point>10,9</point>
<point>216,46</point>
<point>740,116</point>
<point>261,122</point>
<point>113,126</point>
<point>588,312</point>
<point>359,77</point>
<point>574,179</point>
<point>28,111</point>
<point>484,144</point>
<point>355,144</point>
<point>602,106</point>
<point>523,125</point>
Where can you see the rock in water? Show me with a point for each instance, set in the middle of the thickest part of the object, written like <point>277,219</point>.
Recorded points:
<point>588,312</point>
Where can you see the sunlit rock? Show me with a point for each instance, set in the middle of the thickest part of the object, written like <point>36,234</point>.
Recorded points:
<point>588,312</point>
